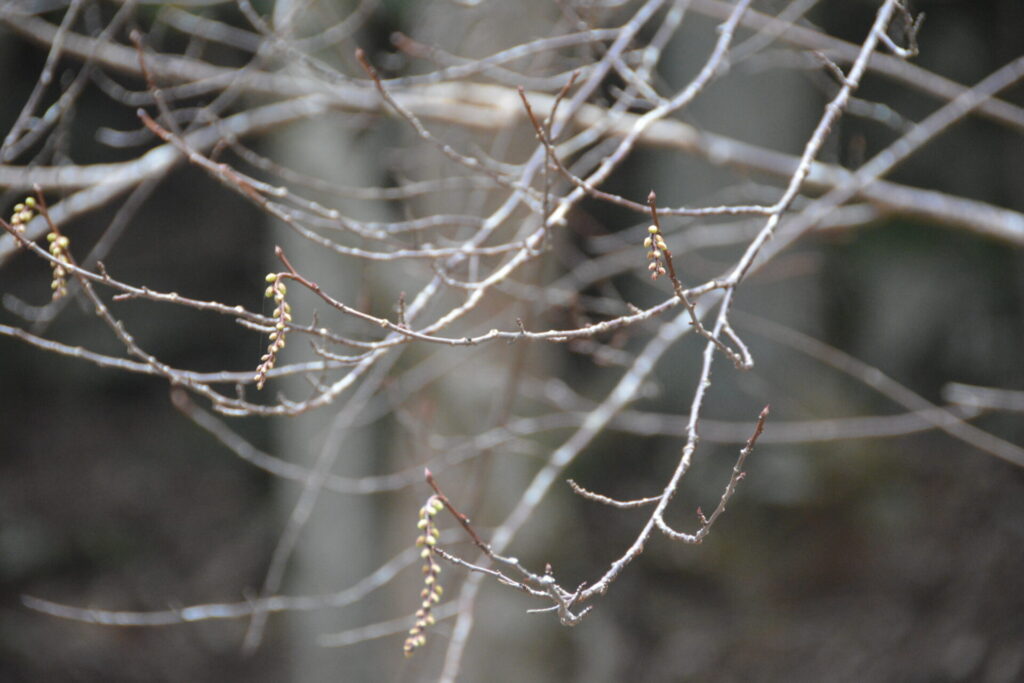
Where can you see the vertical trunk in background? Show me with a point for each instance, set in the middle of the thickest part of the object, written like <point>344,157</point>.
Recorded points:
<point>336,547</point>
<point>489,488</point>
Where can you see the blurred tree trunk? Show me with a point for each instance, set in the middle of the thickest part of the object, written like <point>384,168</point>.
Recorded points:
<point>336,547</point>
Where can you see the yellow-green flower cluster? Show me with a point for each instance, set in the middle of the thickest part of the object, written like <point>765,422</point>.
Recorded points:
<point>655,245</point>
<point>432,591</point>
<point>23,213</point>
<point>59,250</point>
<point>276,290</point>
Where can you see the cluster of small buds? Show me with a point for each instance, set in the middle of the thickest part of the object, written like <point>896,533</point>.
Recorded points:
<point>276,290</point>
<point>59,250</point>
<point>23,213</point>
<point>656,248</point>
<point>431,593</point>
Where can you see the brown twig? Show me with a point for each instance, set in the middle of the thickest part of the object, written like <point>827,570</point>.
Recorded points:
<point>730,489</point>
<point>459,517</point>
<point>661,252</point>
<point>597,497</point>
<point>618,200</point>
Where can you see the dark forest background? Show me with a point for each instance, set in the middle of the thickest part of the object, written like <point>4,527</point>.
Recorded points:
<point>867,559</point>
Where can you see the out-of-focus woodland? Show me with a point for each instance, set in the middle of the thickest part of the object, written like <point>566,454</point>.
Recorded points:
<point>488,312</point>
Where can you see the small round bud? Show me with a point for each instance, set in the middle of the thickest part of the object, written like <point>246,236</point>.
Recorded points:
<point>653,229</point>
